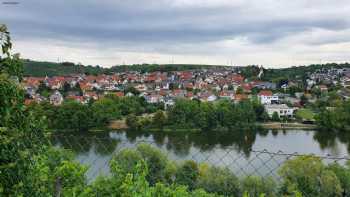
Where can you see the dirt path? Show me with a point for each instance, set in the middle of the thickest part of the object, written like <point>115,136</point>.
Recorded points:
<point>278,125</point>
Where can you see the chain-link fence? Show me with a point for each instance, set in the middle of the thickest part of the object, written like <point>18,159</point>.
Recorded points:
<point>225,170</point>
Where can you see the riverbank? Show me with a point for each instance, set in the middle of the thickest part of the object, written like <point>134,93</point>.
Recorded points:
<point>294,125</point>
<point>118,124</point>
<point>121,124</point>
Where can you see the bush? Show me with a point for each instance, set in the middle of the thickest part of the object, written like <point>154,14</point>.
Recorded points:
<point>309,175</point>
<point>126,160</point>
<point>160,169</point>
<point>343,174</point>
<point>218,180</point>
<point>275,116</point>
<point>135,183</point>
<point>157,163</point>
<point>255,186</point>
<point>159,119</point>
<point>187,174</point>
<point>132,122</point>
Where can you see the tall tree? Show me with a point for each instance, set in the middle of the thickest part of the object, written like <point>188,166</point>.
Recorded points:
<point>21,136</point>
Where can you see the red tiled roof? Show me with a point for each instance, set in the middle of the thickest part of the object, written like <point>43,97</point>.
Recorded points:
<point>119,94</point>
<point>237,78</point>
<point>265,93</point>
<point>189,94</point>
<point>185,75</point>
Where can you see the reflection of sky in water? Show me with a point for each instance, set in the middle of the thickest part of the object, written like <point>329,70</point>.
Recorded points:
<point>97,157</point>
<point>298,141</point>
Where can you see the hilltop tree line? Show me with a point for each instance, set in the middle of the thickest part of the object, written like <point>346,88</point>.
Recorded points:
<point>42,69</point>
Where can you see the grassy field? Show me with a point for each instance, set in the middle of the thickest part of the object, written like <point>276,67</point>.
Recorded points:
<point>305,114</point>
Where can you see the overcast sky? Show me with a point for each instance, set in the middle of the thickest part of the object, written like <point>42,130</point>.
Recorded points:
<point>273,33</point>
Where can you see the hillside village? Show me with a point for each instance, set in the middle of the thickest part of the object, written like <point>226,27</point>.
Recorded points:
<point>206,85</point>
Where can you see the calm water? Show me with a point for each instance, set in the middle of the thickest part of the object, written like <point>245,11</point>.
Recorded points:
<point>239,151</point>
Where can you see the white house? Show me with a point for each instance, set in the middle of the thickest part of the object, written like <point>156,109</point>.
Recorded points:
<point>266,97</point>
<point>168,102</point>
<point>281,109</point>
<point>154,98</point>
<point>211,98</point>
<point>56,98</point>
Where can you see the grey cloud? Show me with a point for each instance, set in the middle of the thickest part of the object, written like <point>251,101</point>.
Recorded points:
<point>136,22</point>
<point>159,25</point>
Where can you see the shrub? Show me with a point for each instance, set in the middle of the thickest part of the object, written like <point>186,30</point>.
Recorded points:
<point>218,180</point>
<point>132,122</point>
<point>343,174</point>
<point>255,186</point>
<point>187,174</point>
<point>309,175</point>
<point>126,160</point>
<point>156,162</point>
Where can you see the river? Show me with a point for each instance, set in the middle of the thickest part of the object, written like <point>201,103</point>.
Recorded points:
<point>245,153</point>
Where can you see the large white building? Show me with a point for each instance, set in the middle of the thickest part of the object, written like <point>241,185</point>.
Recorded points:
<point>281,109</point>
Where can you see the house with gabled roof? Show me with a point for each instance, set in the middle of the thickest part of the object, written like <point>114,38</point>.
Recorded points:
<point>266,97</point>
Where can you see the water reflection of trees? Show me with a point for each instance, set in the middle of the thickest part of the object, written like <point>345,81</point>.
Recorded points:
<point>100,143</point>
<point>328,139</point>
<point>180,143</point>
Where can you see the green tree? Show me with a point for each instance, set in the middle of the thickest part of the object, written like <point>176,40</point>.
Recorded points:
<point>310,176</point>
<point>72,115</point>
<point>255,186</point>
<point>104,110</point>
<point>156,161</point>
<point>159,119</point>
<point>187,174</point>
<point>132,122</point>
<point>21,136</point>
<point>218,180</point>
<point>343,174</point>
<point>335,119</point>
<point>275,116</point>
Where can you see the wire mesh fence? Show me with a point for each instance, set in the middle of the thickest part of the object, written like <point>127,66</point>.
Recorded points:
<point>220,164</point>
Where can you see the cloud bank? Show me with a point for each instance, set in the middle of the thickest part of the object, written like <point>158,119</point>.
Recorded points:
<point>239,32</point>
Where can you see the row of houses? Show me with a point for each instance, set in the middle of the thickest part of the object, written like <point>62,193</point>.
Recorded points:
<point>207,85</point>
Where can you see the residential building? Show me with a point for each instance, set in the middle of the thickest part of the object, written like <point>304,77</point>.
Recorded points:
<point>281,109</point>
<point>56,98</point>
<point>266,97</point>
